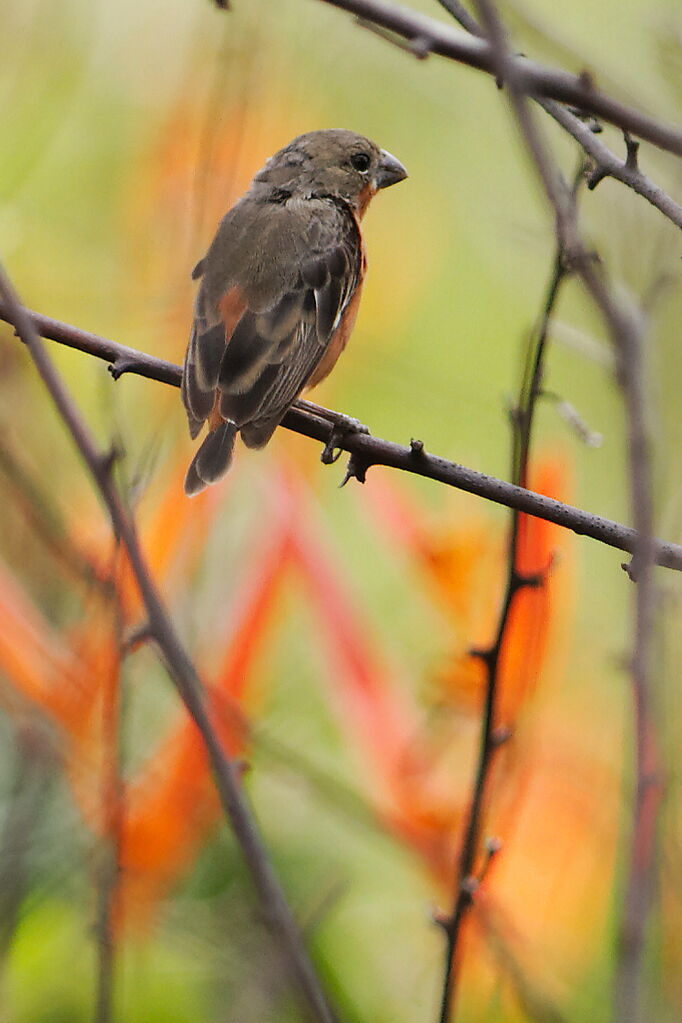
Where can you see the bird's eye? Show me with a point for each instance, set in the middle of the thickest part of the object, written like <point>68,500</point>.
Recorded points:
<point>360,161</point>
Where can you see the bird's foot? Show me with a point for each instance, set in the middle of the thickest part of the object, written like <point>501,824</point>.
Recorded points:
<point>342,427</point>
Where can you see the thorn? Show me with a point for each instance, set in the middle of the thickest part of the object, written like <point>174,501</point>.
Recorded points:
<point>571,416</point>
<point>493,845</point>
<point>441,919</point>
<point>108,459</point>
<point>136,638</point>
<point>469,887</point>
<point>632,147</point>
<point>592,123</point>
<point>122,365</point>
<point>482,654</point>
<point>595,176</point>
<point>631,568</point>
<point>515,414</point>
<point>532,581</point>
<point>586,80</point>
<point>355,470</point>
<point>500,735</point>
<point>421,46</point>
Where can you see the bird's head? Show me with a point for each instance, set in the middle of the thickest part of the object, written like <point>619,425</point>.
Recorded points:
<point>336,163</point>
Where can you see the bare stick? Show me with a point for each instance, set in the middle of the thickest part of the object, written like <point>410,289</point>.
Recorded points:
<point>626,330</point>
<point>366,450</point>
<point>276,912</point>
<point>492,732</point>
<point>536,80</point>
<point>605,162</point>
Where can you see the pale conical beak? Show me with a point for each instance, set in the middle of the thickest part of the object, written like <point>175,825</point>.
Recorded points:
<point>390,171</point>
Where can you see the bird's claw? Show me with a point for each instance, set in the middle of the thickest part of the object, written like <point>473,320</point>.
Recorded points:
<point>342,427</point>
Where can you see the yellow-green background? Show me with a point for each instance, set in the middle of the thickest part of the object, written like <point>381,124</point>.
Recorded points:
<point>459,257</point>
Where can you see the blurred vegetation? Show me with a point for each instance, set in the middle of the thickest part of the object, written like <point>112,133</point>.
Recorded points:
<point>339,619</point>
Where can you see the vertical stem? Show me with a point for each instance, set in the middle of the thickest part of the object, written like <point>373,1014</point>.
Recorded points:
<point>523,418</point>
<point>637,898</point>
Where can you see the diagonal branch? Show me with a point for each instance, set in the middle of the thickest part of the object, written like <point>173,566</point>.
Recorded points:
<point>275,909</point>
<point>315,422</point>
<point>494,732</point>
<point>605,162</point>
<point>537,81</point>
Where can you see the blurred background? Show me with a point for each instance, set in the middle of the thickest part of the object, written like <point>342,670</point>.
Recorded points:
<point>338,619</point>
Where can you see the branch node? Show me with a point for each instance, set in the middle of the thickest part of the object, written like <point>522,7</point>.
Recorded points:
<point>500,735</point>
<point>493,845</point>
<point>123,364</point>
<point>588,119</point>
<point>527,580</point>
<point>108,459</point>
<point>421,47</point>
<point>416,446</point>
<point>136,638</point>
<point>469,887</point>
<point>485,654</point>
<point>441,919</point>
<point>516,416</point>
<point>633,567</point>
<point>596,175</point>
<point>632,148</point>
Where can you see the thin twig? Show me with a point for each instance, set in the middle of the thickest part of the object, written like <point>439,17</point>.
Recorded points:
<point>625,328</point>
<point>314,421</point>
<point>605,163</point>
<point>275,909</point>
<point>536,80</point>
<point>466,880</point>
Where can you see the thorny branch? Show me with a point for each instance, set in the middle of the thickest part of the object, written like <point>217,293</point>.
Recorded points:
<point>182,672</point>
<point>365,450</point>
<point>493,733</point>
<point>537,81</point>
<point>550,88</point>
<point>605,163</point>
<point>625,327</point>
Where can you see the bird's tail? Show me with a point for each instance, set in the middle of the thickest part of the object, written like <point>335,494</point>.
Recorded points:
<point>213,458</point>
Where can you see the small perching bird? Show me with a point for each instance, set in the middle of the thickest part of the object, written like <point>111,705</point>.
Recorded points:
<point>280,288</point>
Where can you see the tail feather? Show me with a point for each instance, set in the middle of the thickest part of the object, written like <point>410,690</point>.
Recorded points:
<point>213,458</point>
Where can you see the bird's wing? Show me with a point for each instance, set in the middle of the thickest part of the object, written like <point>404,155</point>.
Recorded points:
<point>270,302</point>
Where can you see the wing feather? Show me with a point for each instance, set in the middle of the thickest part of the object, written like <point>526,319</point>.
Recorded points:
<point>262,328</point>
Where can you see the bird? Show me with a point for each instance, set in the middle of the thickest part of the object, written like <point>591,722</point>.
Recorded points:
<point>279,292</point>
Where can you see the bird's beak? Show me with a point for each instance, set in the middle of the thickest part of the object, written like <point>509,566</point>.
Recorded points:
<point>390,171</point>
